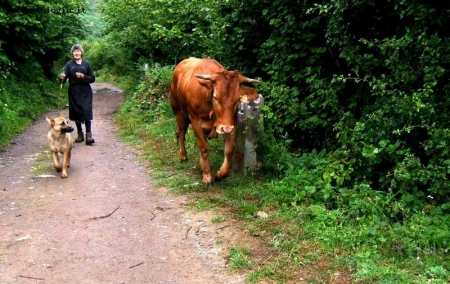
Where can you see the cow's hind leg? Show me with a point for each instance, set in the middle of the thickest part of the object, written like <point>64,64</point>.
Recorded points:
<point>182,126</point>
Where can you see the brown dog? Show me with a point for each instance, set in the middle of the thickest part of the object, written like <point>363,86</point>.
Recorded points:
<point>60,141</point>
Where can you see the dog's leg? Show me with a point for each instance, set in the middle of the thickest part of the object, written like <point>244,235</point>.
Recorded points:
<point>70,157</point>
<point>56,161</point>
<point>66,163</point>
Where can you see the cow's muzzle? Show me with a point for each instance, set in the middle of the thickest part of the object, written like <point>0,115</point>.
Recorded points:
<point>225,129</point>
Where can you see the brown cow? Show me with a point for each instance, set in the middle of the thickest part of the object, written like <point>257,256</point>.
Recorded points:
<point>206,95</point>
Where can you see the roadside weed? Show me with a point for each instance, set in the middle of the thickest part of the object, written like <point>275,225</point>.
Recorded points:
<point>219,219</point>
<point>201,204</point>
<point>43,163</point>
<point>240,258</point>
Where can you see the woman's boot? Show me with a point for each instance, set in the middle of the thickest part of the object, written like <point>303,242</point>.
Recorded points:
<point>79,138</point>
<point>89,139</point>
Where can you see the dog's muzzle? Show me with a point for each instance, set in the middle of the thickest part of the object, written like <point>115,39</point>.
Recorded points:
<point>67,130</point>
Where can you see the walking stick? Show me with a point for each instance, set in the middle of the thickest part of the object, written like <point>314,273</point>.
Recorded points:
<point>59,98</point>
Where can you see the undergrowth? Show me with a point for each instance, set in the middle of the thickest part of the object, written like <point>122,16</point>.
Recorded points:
<point>24,99</point>
<point>317,230</point>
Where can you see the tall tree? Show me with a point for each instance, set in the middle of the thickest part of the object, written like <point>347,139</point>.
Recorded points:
<point>38,31</point>
<point>162,31</point>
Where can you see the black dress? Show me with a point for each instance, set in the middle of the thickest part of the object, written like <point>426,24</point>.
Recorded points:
<point>80,91</point>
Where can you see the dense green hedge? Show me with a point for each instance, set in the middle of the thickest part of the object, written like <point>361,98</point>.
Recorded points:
<point>370,85</point>
<point>365,80</point>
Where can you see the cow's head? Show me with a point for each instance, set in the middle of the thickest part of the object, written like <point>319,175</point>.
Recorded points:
<point>227,91</point>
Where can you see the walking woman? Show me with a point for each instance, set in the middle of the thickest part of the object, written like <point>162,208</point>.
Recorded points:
<point>80,76</point>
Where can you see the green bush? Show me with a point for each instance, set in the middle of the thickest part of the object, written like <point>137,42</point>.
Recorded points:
<point>150,98</point>
<point>22,101</point>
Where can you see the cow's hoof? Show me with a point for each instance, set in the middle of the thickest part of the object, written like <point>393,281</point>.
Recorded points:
<point>207,179</point>
<point>219,176</point>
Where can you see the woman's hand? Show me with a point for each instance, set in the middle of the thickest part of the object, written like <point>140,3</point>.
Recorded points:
<point>62,76</point>
<point>79,75</point>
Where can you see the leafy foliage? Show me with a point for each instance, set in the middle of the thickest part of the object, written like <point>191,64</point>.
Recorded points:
<point>92,20</point>
<point>21,104</point>
<point>160,31</point>
<point>355,102</point>
<point>365,81</point>
<point>39,31</point>
<point>150,99</point>
<point>33,37</point>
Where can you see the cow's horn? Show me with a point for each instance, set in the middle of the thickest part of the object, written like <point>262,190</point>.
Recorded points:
<point>203,76</point>
<point>248,80</point>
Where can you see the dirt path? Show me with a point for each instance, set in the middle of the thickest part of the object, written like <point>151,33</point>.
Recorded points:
<point>105,223</point>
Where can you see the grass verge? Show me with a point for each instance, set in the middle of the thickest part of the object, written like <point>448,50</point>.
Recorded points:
<point>308,242</point>
<point>237,196</point>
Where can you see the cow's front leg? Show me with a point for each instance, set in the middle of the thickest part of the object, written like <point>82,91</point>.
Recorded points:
<point>203,146</point>
<point>205,166</point>
<point>224,170</point>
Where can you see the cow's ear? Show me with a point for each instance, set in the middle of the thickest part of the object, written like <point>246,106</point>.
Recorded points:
<point>248,94</point>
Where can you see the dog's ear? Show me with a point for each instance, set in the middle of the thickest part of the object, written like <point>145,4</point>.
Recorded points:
<point>50,121</point>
